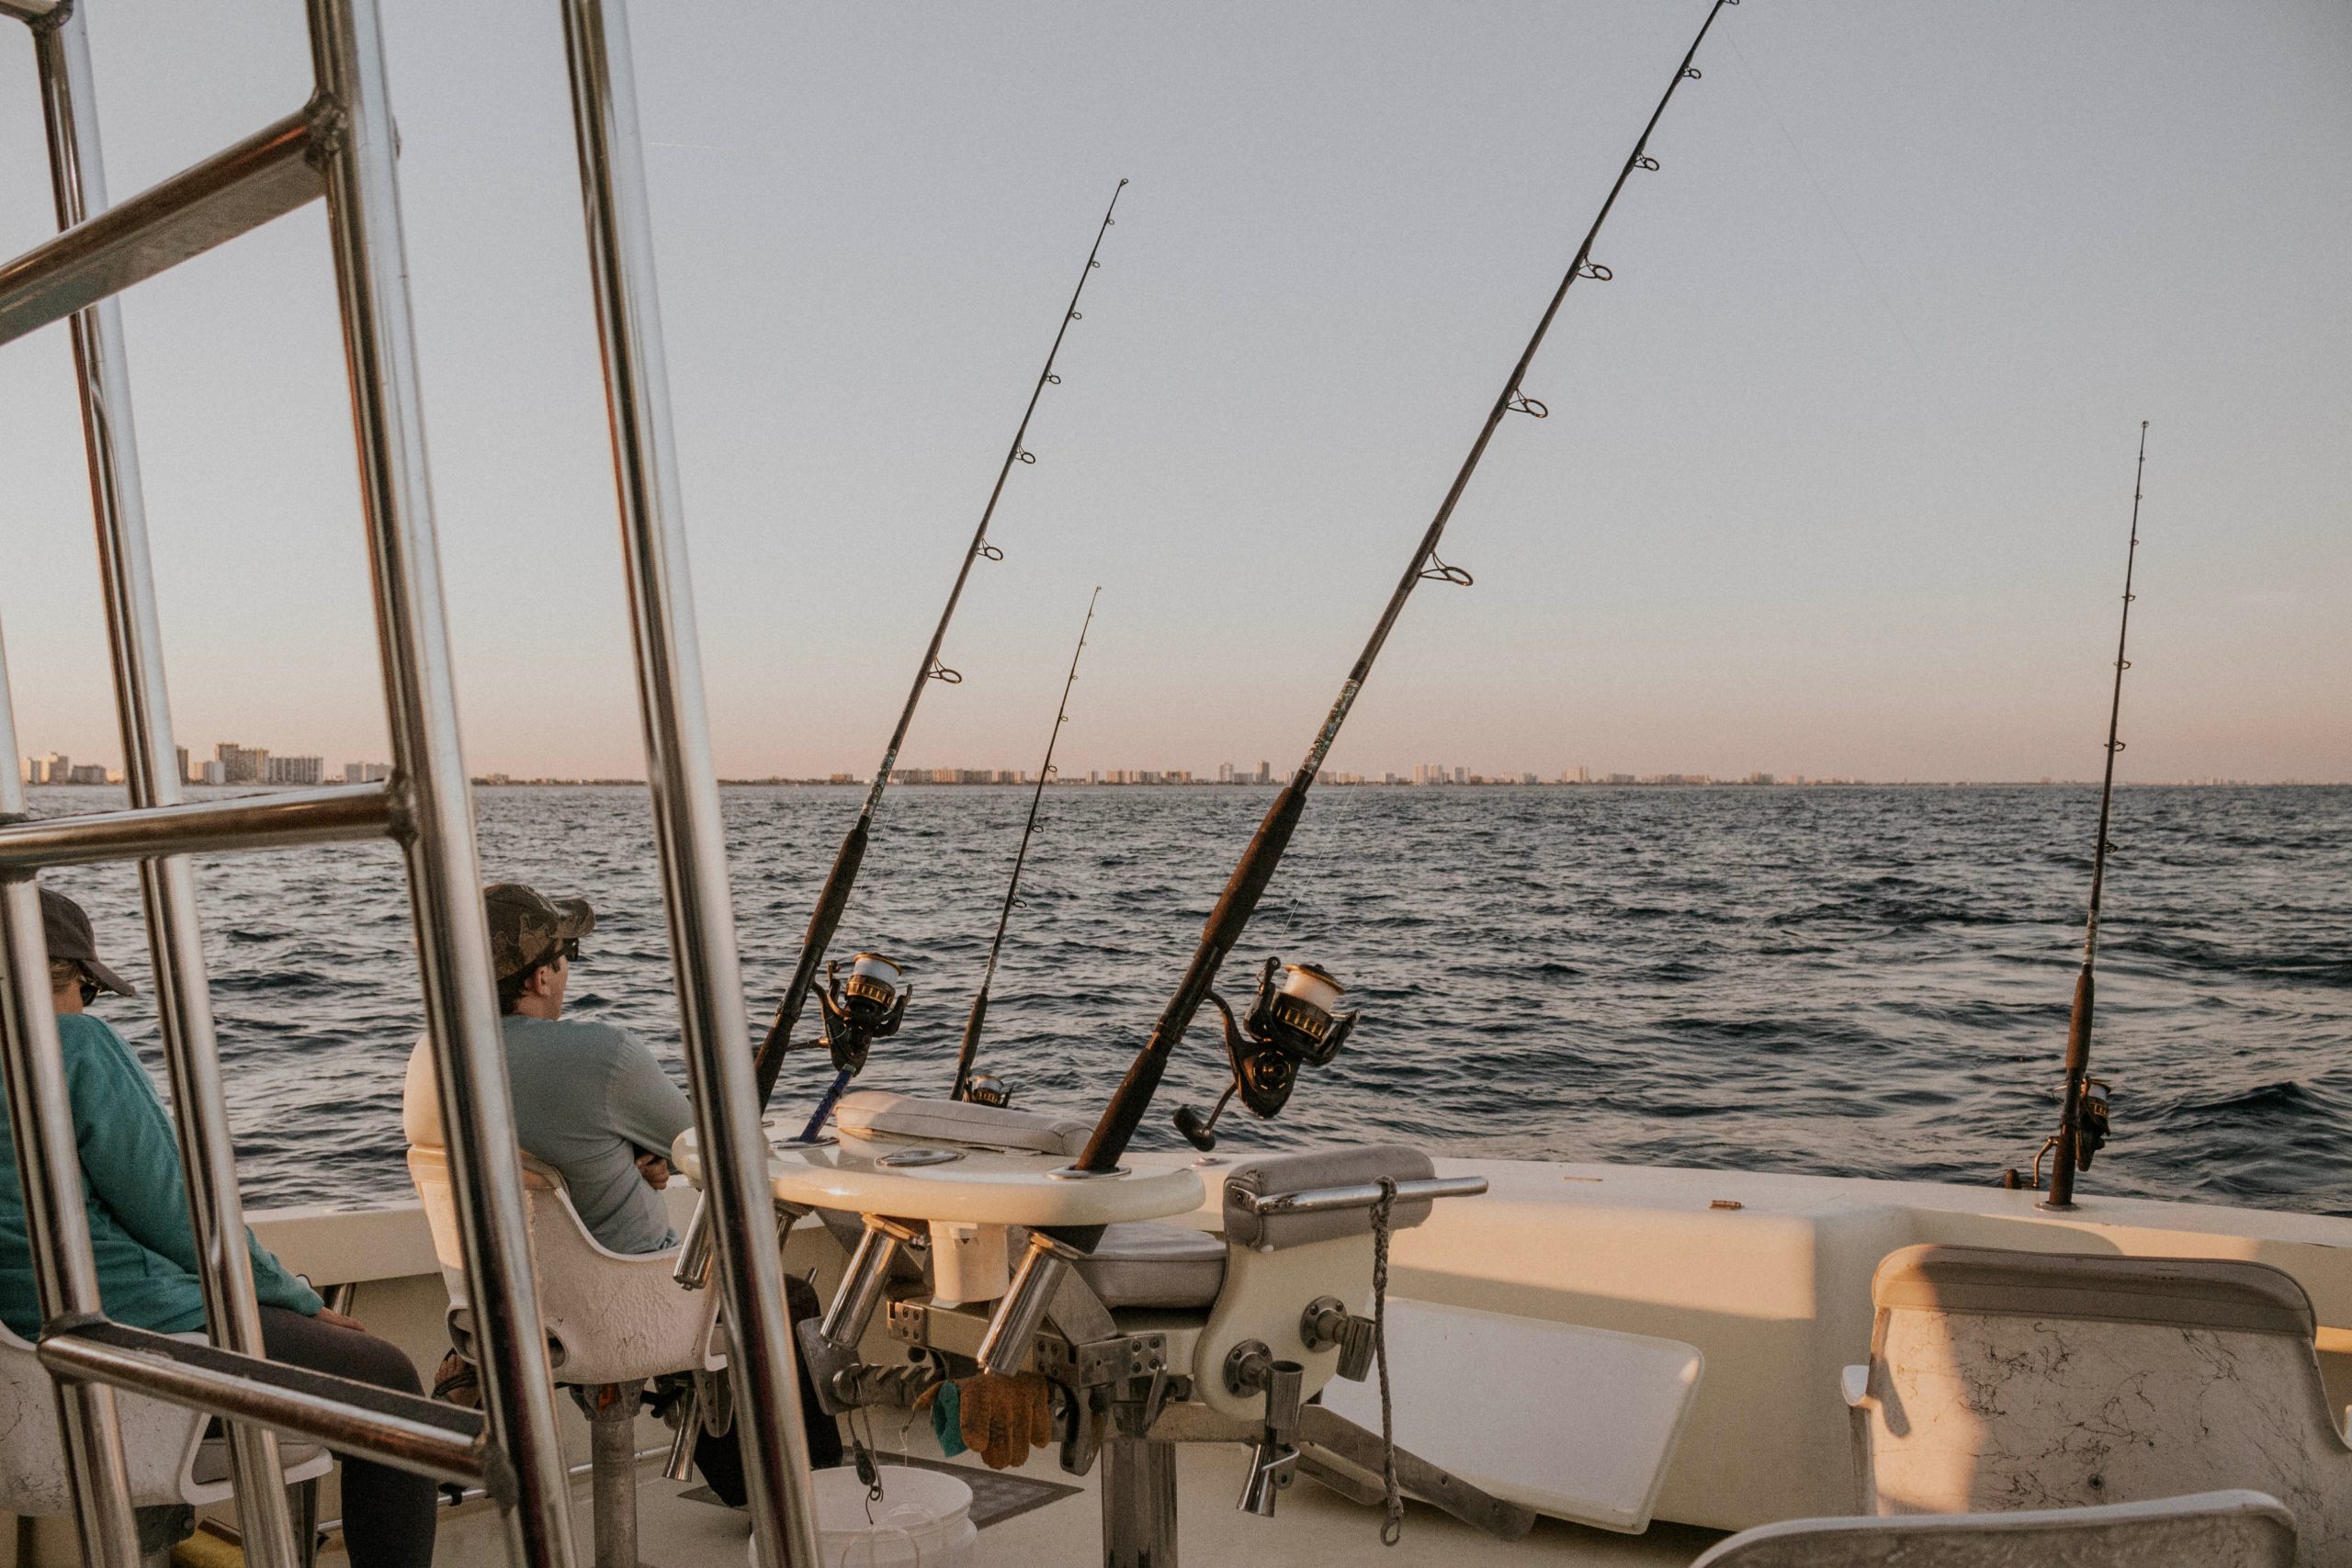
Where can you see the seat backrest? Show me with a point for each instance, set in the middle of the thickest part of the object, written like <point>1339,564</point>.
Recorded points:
<point>2004,1379</point>
<point>159,1440</point>
<point>1277,1264</point>
<point>2210,1529</point>
<point>610,1316</point>
<point>880,1113</point>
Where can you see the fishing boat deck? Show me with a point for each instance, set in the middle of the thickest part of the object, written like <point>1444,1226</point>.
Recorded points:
<point>1313,1529</point>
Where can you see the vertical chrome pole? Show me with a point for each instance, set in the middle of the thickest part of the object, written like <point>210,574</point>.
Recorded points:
<point>685,793</point>
<point>183,1000</point>
<point>49,1172</point>
<point>444,874</point>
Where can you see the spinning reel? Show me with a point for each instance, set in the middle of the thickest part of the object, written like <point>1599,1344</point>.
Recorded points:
<point>868,1006</point>
<point>1290,1025</point>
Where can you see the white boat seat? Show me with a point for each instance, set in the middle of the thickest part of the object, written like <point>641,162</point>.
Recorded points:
<point>2002,1380</point>
<point>1147,1264</point>
<point>298,1460</point>
<point>2208,1529</point>
<point>611,1317</point>
<point>169,1460</point>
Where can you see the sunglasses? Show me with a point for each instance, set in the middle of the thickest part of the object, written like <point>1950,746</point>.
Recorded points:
<point>570,950</point>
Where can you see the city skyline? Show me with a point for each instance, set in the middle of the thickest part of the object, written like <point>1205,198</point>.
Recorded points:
<point>234,764</point>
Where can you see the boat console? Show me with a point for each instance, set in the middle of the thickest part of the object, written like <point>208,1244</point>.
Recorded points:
<point>976,1243</point>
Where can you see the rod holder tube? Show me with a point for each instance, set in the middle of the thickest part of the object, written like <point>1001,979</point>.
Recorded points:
<point>853,1306</point>
<point>1022,1310</point>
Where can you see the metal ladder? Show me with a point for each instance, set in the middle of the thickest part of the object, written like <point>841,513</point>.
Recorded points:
<point>340,145</point>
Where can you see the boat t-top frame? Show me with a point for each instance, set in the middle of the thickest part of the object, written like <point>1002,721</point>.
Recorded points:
<point>340,146</point>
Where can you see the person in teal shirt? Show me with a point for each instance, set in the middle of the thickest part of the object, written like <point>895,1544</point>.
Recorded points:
<point>145,1246</point>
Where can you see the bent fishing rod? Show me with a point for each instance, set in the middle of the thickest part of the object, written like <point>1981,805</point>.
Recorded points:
<point>979,1015</point>
<point>1234,906</point>
<point>2083,1113</point>
<point>834,897</point>
<point>853,1021</point>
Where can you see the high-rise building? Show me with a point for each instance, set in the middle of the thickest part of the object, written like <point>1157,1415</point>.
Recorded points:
<point>55,768</point>
<point>182,750</point>
<point>1225,772</point>
<point>240,764</point>
<point>366,773</point>
<point>1265,772</point>
<point>294,770</point>
<point>213,773</point>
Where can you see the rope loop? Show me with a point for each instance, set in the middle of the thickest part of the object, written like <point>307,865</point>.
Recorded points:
<point>1392,1496</point>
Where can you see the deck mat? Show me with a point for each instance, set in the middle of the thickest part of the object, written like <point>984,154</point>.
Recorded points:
<point>996,1495</point>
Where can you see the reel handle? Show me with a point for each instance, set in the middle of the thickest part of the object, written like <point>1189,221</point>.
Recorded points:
<point>1200,1131</point>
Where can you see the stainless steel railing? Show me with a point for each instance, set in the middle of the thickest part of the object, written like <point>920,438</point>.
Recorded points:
<point>685,791</point>
<point>340,145</point>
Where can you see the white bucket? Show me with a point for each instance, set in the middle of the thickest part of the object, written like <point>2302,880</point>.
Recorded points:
<point>924,1520</point>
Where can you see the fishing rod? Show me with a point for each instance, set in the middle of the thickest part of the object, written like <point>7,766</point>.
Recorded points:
<point>1292,1025</point>
<point>972,1025</point>
<point>874,1001</point>
<point>2083,1115</point>
<point>856,1026</point>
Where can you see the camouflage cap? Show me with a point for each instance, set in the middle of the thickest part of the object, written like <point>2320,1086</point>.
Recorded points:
<point>526,929</point>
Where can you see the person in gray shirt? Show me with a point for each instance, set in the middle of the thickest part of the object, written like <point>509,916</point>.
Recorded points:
<point>589,1098</point>
<point>590,1101</point>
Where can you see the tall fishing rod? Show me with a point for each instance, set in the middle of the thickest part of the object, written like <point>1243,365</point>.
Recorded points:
<point>834,897</point>
<point>873,1003</point>
<point>2081,1117</point>
<point>1234,906</point>
<point>979,1012</point>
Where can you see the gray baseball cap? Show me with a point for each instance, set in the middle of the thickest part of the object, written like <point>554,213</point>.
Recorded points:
<point>67,931</point>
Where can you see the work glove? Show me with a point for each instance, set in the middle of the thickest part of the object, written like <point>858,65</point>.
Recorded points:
<point>1004,1416</point>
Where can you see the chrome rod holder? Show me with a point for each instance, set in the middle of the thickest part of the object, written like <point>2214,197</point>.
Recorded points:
<point>853,1306</point>
<point>1022,1313</point>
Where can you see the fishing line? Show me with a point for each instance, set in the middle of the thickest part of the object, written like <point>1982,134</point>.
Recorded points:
<point>979,1015</point>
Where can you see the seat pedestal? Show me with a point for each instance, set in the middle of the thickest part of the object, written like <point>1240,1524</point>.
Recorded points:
<point>611,1409</point>
<point>1138,1503</point>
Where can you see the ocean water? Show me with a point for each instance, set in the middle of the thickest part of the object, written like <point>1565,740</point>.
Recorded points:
<point>1856,981</point>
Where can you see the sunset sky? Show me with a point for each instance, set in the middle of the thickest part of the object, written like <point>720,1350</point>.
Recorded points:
<point>1836,481</point>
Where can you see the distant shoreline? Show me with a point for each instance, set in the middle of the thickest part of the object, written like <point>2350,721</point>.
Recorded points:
<point>1364,783</point>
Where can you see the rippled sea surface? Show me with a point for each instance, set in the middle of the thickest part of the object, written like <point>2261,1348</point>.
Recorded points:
<point>1855,981</point>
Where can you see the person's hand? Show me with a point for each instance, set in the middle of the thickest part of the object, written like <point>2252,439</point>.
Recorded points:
<point>655,1169</point>
<point>337,1320</point>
